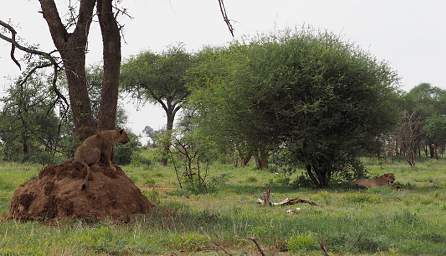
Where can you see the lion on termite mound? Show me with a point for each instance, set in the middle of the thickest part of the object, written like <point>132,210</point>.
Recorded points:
<point>99,146</point>
<point>56,193</point>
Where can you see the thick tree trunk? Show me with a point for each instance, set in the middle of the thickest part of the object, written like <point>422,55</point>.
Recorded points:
<point>84,124</point>
<point>72,50</point>
<point>111,40</point>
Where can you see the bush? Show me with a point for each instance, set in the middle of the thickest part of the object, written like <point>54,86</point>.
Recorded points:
<point>139,159</point>
<point>302,181</point>
<point>370,244</point>
<point>251,179</point>
<point>302,242</point>
<point>190,241</point>
<point>123,152</point>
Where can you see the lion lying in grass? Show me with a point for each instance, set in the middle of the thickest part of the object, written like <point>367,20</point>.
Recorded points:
<point>386,179</point>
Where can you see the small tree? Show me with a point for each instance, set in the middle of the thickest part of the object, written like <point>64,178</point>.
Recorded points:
<point>195,152</point>
<point>158,78</point>
<point>29,128</point>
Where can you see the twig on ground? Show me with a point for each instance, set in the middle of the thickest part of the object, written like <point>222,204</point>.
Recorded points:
<point>218,246</point>
<point>323,246</point>
<point>253,239</point>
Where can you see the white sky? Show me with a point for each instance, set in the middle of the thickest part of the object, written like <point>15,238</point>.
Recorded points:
<point>409,34</point>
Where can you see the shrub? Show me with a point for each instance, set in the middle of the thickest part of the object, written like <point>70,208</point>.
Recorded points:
<point>251,179</point>
<point>302,242</point>
<point>189,242</point>
<point>139,159</point>
<point>123,152</point>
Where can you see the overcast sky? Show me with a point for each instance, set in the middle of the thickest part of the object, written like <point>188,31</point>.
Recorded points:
<point>409,34</point>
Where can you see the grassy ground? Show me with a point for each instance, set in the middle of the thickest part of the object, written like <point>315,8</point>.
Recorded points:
<point>385,221</point>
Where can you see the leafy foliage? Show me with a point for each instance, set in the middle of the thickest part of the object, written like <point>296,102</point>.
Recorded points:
<point>123,154</point>
<point>323,99</point>
<point>158,78</point>
<point>28,123</point>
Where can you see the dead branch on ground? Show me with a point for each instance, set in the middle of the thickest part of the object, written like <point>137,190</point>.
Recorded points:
<point>266,200</point>
<point>253,239</point>
<point>324,249</point>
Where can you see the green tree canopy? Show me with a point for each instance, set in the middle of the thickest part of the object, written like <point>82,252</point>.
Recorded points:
<point>158,78</point>
<point>28,123</point>
<point>323,99</point>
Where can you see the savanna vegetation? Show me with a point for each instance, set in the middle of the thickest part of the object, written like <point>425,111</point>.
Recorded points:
<point>300,113</point>
<point>380,221</point>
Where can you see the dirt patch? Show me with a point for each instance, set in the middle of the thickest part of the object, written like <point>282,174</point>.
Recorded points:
<point>57,194</point>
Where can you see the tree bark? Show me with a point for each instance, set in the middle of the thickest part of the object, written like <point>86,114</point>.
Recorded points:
<point>261,157</point>
<point>320,178</point>
<point>72,48</point>
<point>111,40</point>
<point>169,127</point>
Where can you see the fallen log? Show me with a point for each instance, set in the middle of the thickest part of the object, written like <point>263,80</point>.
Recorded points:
<point>287,201</point>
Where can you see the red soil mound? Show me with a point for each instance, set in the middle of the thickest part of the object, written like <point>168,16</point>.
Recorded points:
<point>57,194</point>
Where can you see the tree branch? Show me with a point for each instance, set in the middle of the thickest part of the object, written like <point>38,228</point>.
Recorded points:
<point>85,17</point>
<point>158,99</point>
<point>13,34</point>
<point>225,17</point>
<point>257,246</point>
<point>57,29</point>
<point>52,62</point>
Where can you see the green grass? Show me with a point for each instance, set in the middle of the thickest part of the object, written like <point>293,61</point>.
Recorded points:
<point>380,221</point>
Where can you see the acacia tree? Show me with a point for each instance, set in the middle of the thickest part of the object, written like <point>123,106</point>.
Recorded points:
<point>225,98</point>
<point>70,40</point>
<point>160,79</point>
<point>323,100</point>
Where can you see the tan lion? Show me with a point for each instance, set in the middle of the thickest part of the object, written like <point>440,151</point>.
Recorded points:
<point>386,179</point>
<point>96,146</point>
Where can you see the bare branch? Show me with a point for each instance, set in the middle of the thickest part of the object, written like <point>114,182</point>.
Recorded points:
<point>51,62</point>
<point>218,246</point>
<point>225,16</point>
<point>29,50</point>
<point>253,239</point>
<point>13,34</point>
<point>324,249</point>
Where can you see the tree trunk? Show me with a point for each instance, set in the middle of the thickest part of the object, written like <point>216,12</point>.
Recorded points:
<point>261,157</point>
<point>431,151</point>
<point>169,127</point>
<point>84,124</point>
<point>111,40</point>
<point>72,48</point>
<point>320,178</point>
<point>310,173</point>
<point>245,158</point>
<point>25,146</point>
